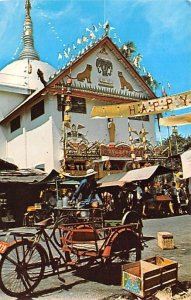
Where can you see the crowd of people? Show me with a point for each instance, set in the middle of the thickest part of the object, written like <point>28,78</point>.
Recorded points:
<point>160,198</point>
<point>147,198</point>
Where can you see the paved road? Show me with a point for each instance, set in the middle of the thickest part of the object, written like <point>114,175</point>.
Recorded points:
<point>97,284</point>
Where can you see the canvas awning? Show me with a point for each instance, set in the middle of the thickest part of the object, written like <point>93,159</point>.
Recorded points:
<point>50,177</point>
<point>112,177</point>
<point>30,176</point>
<point>145,173</point>
<point>137,174</point>
<point>186,164</point>
<point>176,120</point>
<point>5,165</point>
<point>112,184</point>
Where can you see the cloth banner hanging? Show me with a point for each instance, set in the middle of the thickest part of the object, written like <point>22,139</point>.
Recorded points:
<point>175,120</point>
<point>186,164</point>
<point>142,108</point>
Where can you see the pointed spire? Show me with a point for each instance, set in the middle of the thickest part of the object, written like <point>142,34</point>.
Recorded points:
<point>28,49</point>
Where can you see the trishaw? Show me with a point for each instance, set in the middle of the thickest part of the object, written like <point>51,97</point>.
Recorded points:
<point>28,258</point>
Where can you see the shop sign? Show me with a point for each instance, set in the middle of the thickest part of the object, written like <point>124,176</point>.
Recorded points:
<point>120,151</point>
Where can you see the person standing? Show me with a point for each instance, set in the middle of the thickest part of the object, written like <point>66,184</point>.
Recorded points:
<point>173,193</point>
<point>188,182</point>
<point>52,199</point>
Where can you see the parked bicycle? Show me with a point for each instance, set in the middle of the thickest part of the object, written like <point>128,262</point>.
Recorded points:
<point>29,258</point>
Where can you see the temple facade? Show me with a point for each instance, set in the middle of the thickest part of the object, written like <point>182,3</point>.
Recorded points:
<point>45,114</point>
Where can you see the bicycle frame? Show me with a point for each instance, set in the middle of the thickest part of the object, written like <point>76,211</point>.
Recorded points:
<point>31,257</point>
<point>57,263</point>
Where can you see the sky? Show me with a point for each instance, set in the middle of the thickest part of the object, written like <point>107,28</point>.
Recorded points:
<point>160,29</point>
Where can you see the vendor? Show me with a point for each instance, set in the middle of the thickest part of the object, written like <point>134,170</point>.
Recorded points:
<point>147,199</point>
<point>52,199</point>
<point>86,190</point>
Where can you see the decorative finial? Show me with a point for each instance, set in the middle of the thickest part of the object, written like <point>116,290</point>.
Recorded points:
<point>28,7</point>
<point>28,49</point>
<point>106,27</point>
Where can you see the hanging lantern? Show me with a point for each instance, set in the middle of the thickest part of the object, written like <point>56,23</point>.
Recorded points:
<point>143,130</point>
<point>68,103</point>
<point>130,138</point>
<point>134,165</point>
<point>67,118</point>
<point>133,156</point>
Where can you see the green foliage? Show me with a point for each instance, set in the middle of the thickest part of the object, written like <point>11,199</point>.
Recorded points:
<point>176,143</point>
<point>128,49</point>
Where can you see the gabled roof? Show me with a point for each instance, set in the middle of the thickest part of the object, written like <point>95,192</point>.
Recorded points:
<point>85,53</point>
<point>54,83</point>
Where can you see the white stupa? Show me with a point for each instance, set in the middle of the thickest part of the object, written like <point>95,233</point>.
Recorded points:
<point>22,73</point>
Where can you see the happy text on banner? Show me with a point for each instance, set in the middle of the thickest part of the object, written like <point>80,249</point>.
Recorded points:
<point>148,107</point>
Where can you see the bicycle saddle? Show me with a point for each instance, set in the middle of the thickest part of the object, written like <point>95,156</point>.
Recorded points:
<point>44,223</point>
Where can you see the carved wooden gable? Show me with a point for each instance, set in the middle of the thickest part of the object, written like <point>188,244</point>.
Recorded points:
<point>103,70</point>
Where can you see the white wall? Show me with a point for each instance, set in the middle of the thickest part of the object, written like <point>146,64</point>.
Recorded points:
<point>96,129</point>
<point>8,101</point>
<point>2,142</point>
<point>39,141</point>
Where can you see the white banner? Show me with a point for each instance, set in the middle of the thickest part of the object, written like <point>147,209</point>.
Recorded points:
<point>176,120</point>
<point>142,108</point>
<point>186,164</point>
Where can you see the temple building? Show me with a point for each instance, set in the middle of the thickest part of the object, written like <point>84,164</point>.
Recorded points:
<point>45,118</point>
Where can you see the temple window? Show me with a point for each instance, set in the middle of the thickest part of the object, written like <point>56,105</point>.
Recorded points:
<point>78,105</point>
<point>15,123</point>
<point>37,110</point>
<point>140,118</point>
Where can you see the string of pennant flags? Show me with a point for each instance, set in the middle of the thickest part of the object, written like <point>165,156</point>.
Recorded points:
<point>93,32</point>
<point>90,35</point>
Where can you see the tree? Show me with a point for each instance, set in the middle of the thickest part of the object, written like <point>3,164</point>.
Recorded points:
<point>153,84</point>
<point>128,49</point>
<point>176,143</point>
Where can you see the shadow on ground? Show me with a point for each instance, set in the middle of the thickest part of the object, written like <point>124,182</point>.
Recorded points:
<point>110,274</point>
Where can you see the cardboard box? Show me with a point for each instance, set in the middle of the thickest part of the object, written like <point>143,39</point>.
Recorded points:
<point>165,240</point>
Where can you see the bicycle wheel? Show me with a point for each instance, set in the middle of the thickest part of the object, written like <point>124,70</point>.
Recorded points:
<point>133,217</point>
<point>21,268</point>
<point>126,246</point>
<point>57,233</point>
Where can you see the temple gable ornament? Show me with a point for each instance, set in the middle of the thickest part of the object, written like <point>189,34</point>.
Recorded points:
<point>103,64</point>
<point>86,74</point>
<point>105,68</point>
<point>124,83</point>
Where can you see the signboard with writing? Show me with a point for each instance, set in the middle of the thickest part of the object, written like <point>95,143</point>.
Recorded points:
<point>120,151</point>
<point>141,108</point>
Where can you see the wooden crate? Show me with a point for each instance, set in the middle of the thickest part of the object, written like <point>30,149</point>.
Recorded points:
<point>145,277</point>
<point>141,278</point>
<point>169,270</point>
<point>165,240</point>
